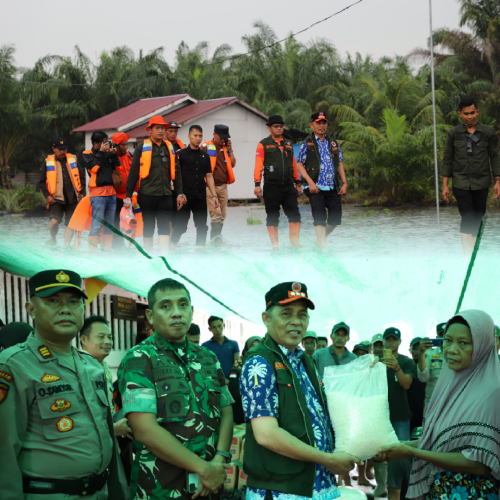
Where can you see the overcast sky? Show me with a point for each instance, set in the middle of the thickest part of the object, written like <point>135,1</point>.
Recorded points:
<point>376,27</point>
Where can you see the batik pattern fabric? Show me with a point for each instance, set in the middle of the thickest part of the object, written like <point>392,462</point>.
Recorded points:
<point>326,179</point>
<point>185,388</point>
<point>259,395</point>
<point>454,486</point>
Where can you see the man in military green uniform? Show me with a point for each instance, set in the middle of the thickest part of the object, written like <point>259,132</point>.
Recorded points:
<point>470,156</point>
<point>176,400</point>
<point>57,434</point>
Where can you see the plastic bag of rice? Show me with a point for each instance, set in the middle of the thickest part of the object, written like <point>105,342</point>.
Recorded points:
<point>359,407</point>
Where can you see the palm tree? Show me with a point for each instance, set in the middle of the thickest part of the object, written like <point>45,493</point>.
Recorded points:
<point>257,370</point>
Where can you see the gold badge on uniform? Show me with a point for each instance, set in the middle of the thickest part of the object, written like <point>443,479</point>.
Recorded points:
<point>45,352</point>
<point>4,390</point>
<point>48,378</point>
<point>62,277</point>
<point>6,376</point>
<point>60,405</point>
<point>64,424</point>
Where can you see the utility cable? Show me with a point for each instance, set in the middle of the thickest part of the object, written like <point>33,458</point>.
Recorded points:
<point>232,58</point>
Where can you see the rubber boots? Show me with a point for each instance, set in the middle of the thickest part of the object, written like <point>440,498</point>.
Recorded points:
<point>273,234</point>
<point>295,233</point>
<point>215,233</point>
<point>93,243</point>
<point>106,241</point>
<point>381,478</point>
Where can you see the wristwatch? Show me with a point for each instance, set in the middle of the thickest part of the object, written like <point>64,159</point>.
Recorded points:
<point>345,183</point>
<point>225,454</point>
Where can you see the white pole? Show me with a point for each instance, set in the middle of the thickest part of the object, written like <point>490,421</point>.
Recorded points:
<point>434,113</point>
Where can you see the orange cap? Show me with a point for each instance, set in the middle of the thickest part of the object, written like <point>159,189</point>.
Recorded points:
<point>156,120</point>
<point>120,137</point>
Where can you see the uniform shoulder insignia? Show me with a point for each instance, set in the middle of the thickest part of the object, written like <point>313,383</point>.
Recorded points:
<point>6,376</point>
<point>4,390</point>
<point>45,352</point>
<point>47,378</point>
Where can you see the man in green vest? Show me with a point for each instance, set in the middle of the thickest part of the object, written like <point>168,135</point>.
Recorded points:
<point>320,163</point>
<point>289,446</point>
<point>282,185</point>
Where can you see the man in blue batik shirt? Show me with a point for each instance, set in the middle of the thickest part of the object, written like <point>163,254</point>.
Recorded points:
<point>289,445</point>
<point>320,164</point>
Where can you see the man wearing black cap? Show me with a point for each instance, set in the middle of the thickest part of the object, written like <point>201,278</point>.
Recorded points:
<point>289,445</point>
<point>401,371</point>
<point>57,429</point>
<point>282,186</point>
<point>62,182</point>
<point>320,163</point>
<point>196,175</point>
<point>222,161</point>
<point>430,363</point>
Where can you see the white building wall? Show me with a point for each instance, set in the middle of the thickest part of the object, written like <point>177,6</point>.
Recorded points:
<point>246,130</point>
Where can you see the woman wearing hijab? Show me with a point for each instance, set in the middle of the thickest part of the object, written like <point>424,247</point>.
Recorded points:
<point>458,455</point>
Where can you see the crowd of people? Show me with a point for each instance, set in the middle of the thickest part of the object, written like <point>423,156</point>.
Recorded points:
<point>165,181</point>
<point>175,402</point>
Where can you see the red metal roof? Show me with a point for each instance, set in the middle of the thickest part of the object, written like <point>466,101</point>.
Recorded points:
<point>130,113</point>
<point>190,112</point>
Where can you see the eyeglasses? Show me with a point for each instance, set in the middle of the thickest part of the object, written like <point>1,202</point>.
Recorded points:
<point>277,126</point>
<point>163,157</point>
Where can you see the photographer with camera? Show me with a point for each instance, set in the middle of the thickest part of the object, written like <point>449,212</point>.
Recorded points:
<point>222,161</point>
<point>101,162</point>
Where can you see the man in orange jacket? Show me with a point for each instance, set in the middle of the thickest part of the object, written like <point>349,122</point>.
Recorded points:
<point>282,186</point>
<point>62,182</point>
<point>121,141</point>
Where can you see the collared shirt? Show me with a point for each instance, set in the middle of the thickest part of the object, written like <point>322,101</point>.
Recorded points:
<point>434,361</point>
<point>54,419</point>
<point>328,357</point>
<point>326,179</point>
<point>225,352</point>
<point>399,409</point>
<point>471,172</point>
<point>157,183</point>
<point>194,165</point>
<point>183,385</point>
<point>259,395</point>
<point>220,171</point>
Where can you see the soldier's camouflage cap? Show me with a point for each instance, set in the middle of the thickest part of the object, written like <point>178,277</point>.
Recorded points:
<point>47,283</point>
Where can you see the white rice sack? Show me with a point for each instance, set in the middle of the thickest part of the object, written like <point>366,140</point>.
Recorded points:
<point>359,407</point>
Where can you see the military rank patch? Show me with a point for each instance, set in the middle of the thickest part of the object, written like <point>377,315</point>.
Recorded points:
<point>48,378</point>
<point>6,376</point>
<point>64,424</point>
<point>60,405</point>
<point>4,390</point>
<point>45,352</point>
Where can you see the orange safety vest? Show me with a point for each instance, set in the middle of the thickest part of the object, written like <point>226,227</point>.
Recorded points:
<point>147,152</point>
<point>138,216</point>
<point>50,164</point>
<point>82,216</point>
<point>212,152</point>
<point>180,144</point>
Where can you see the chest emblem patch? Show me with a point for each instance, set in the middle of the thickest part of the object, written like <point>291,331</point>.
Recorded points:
<point>175,407</point>
<point>60,405</point>
<point>280,366</point>
<point>48,378</point>
<point>4,390</point>
<point>64,424</point>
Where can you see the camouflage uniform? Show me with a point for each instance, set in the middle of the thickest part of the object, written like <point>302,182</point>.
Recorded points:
<point>186,388</point>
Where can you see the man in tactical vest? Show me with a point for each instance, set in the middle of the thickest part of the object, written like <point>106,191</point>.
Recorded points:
<point>62,182</point>
<point>175,397</point>
<point>289,445</point>
<point>58,440</point>
<point>282,185</point>
<point>320,165</point>
<point>222,161</point>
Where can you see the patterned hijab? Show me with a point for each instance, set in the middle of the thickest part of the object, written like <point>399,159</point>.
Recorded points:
<point>463,414</point>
